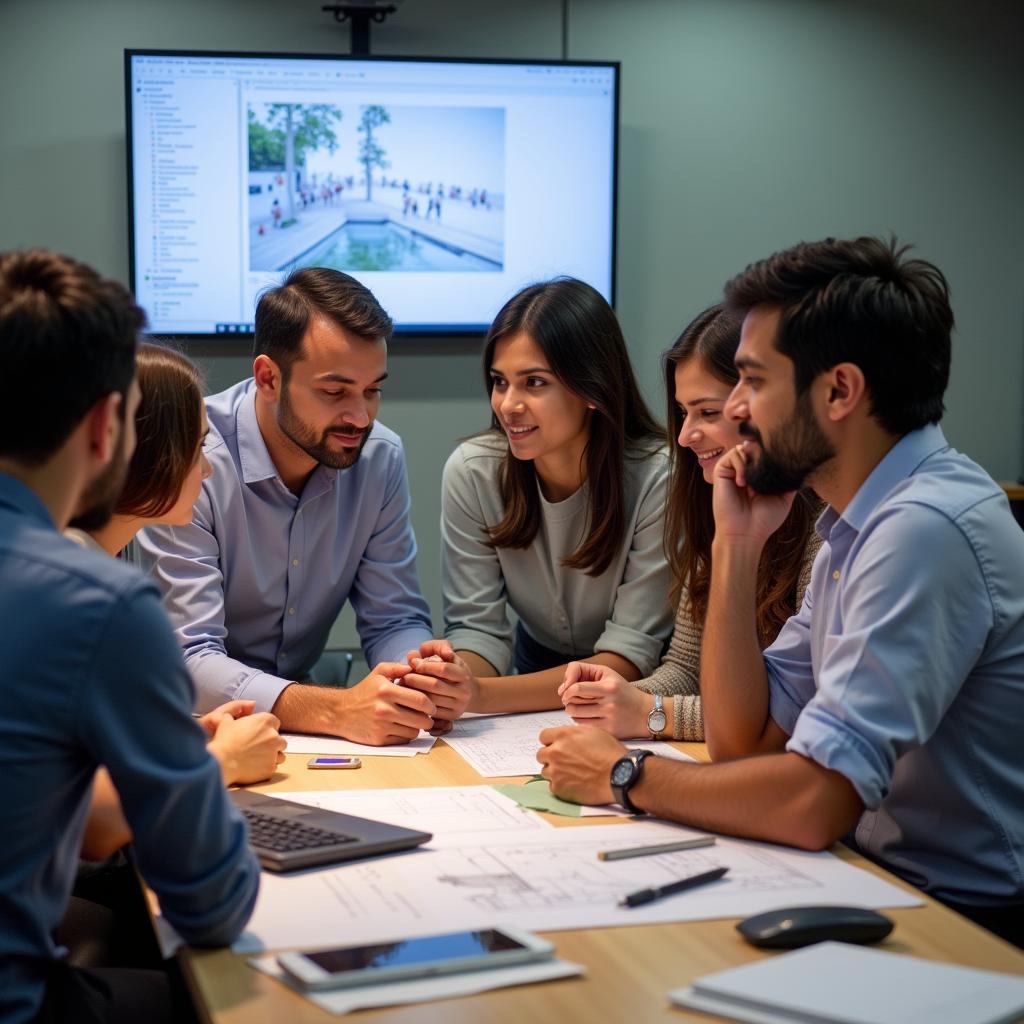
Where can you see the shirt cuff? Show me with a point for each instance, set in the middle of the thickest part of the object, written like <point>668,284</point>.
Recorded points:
<point>641,650</point>
<point>829,742</point>
<point>264,689</point>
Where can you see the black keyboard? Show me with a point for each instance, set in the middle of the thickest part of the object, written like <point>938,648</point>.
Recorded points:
<point>287,836</point>
<point>269,832</point>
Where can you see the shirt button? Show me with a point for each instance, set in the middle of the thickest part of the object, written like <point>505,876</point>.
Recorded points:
<point>295,561</point>
<point>291,611</point>
<point>835,574</point>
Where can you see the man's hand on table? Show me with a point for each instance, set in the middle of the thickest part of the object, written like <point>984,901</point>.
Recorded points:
<point>577,760</point>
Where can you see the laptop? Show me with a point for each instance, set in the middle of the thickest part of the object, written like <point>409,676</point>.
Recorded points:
<point>287,836</point>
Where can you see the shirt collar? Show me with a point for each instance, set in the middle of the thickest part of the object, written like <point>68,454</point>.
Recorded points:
<point>20,497</point>
<point>901,461</point>
<point>253,456</point>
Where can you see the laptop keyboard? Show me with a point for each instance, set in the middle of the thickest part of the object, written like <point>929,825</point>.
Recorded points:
<point>272,833</point>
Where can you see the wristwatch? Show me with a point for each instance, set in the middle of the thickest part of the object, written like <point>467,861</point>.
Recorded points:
<point>657,719</point>
<point>625,775</point>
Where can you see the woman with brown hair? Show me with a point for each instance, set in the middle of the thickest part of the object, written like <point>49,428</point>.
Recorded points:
<point>555,513</point>
<point>168,466</point>
<point>699,376</point>
<point>162,483</point>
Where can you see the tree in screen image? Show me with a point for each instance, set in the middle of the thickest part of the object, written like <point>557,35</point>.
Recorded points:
<point>292,129</point>
<point>371,153</point>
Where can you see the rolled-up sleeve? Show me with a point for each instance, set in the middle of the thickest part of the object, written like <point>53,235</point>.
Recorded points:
<point>472,582</point>
<point>190,842</point>
<point>788,663</point>
<point>641,617</point>
<point>889,674</point>
<point>392,617</point>
<point>186,563</point>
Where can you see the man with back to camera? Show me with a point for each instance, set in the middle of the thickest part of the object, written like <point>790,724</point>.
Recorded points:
<point>893,702</point>
<point>308,506</point>
<point>91,674</point>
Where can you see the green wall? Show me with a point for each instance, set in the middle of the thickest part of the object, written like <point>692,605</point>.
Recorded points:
<point>746,125</point>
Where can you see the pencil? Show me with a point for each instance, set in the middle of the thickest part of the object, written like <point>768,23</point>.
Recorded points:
<point>645,851</point>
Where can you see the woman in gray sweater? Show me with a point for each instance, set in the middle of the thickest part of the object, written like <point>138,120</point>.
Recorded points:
<point>554,515</point>
<point>699,375</point>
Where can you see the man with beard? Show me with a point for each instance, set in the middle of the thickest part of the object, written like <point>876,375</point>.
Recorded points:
<point>307,507</point>
<point>892,704</point>
<point>90,674</point>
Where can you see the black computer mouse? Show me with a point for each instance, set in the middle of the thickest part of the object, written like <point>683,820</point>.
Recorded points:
<point>792,927</point>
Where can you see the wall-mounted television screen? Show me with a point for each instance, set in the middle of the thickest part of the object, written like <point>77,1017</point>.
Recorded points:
<point>443,185</point>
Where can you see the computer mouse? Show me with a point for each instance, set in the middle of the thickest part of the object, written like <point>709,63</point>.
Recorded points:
<point>792,927</point>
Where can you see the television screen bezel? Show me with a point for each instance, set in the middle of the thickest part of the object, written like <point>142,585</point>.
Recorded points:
<point>473,332</point>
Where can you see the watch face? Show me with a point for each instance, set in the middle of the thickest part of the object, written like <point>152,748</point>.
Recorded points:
<point>622,772</point>
<point>656,721</point>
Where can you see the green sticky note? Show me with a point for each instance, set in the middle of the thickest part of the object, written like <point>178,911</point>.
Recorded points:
<point>537,796</point>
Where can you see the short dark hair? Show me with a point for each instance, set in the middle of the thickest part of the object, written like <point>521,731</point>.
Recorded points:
<point>283,313</point>
<point>577,331</point>
<point>168,430</point>
<point>860,301</point>
<point>67,339</point>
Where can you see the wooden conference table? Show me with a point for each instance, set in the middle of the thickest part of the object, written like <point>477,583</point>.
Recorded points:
<point>629,970</point>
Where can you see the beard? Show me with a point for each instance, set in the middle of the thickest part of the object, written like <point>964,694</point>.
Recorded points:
<point>785,464</point>
<point>317,446</point>
<point>100,498</point>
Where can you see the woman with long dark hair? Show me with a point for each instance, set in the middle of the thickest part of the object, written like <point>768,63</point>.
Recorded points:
<point>162,483</point>
<point>699,376</point>
<point>555,513</point>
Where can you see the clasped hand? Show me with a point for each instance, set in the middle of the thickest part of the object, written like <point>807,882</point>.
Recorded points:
<point>598,695</point>
<point>247,743</point>
<point>438,672</point>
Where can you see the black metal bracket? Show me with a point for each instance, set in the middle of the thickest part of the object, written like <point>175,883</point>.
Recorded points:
<point>360,16</point>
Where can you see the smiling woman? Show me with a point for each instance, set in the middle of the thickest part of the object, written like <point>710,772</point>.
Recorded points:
<point>700,375</point>
<point>555,513</point>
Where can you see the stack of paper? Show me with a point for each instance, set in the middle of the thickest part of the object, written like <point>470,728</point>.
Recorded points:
<point>835,983</point>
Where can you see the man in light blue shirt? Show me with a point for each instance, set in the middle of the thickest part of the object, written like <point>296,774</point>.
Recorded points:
<point>307,507</point>
<point>90,674</point>
<point>892,704</point>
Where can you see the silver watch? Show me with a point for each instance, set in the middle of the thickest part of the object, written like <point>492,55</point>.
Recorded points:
<point>657,719</point>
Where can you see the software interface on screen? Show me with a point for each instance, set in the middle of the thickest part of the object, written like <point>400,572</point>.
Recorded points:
<point>442,186</point>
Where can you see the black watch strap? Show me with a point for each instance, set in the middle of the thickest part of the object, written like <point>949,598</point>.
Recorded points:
<point>621,793</point>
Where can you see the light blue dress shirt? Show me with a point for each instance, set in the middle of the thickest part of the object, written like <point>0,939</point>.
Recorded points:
<point>255,583</point>
<point>904,670</point>
<point>90,675</point>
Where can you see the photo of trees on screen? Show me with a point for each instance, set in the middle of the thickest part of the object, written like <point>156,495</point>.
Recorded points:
<point>374,187</point>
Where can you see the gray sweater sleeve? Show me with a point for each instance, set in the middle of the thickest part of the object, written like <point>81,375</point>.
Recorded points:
<point>678,675</point>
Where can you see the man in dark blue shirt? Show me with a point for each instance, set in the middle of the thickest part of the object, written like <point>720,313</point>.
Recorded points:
<point>90,672</point>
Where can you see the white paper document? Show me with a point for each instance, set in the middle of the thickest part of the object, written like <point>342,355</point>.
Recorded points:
<point>329,746</point>
<point>422,990</point>
<point>836,983</point>
<point>504,745</point>
<point>446,811</point>
<point>544,880</point>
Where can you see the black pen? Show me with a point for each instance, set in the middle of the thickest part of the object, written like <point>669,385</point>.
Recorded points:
<point>638,899</point>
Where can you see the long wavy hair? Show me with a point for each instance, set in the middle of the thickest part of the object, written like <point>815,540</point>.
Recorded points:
<point>580,337</point>
<point>713,337</point>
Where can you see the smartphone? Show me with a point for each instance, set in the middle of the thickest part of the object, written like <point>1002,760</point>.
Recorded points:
<point>333,762</point>
<point>452,953</point>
